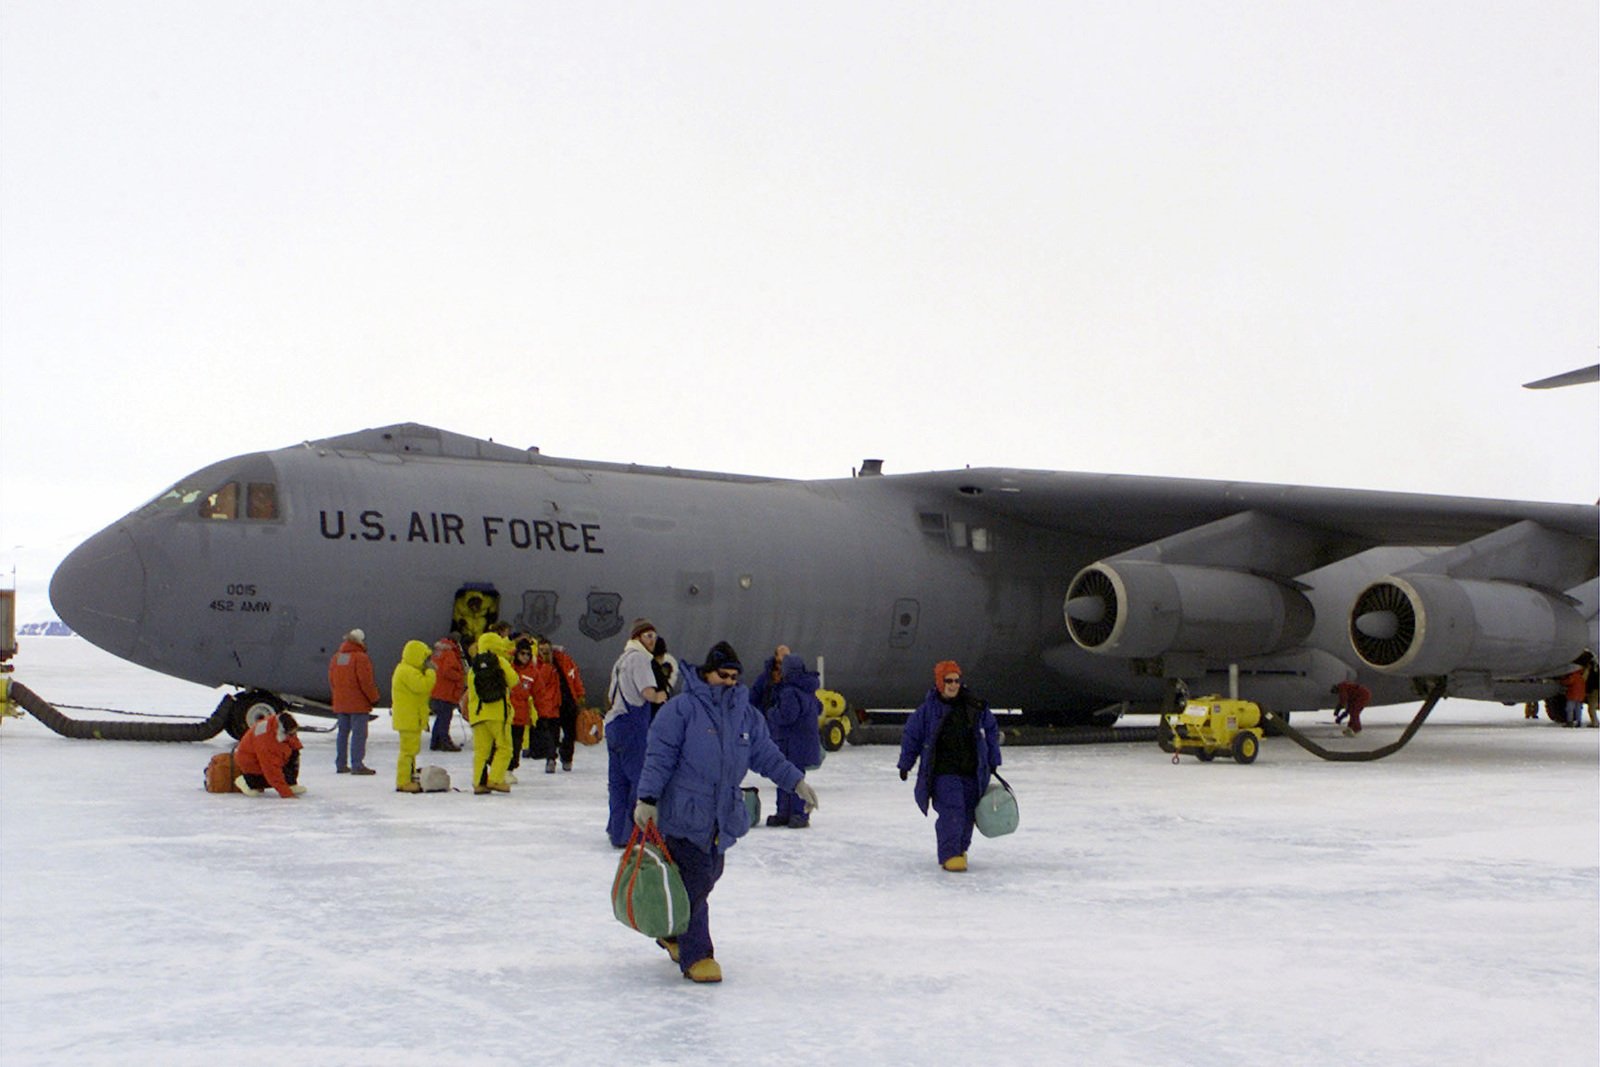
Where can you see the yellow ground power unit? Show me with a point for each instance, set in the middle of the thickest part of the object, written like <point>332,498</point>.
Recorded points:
<point>1213,726</point>
<point>834,724</point>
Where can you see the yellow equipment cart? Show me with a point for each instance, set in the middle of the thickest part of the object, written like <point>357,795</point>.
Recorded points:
<point>834,723</point>
<point>1213,726</point>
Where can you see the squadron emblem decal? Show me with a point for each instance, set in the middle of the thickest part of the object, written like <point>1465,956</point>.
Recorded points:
<point>538,613</point>
<point>604,617</point>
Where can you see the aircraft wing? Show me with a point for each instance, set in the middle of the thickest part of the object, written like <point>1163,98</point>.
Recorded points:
<point>1582,376</point>
<point>1194,572</point>
<point>1142,508</point>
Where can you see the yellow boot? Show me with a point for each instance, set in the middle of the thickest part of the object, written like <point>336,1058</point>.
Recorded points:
<point>671,945</point>
<point>956,863</point>
<point>706,970</point>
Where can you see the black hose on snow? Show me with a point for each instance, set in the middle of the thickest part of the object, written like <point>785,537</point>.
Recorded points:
<point>105,730</point>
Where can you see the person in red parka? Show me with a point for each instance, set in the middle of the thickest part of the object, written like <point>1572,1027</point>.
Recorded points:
<point>1353,697</point>
<point>1575,687</point>
<point>448,690</point>
<point>355,694</point>
<point>572,697</point>
<point>547,704</point>
<point>269,755</point>
<point>521,696</point>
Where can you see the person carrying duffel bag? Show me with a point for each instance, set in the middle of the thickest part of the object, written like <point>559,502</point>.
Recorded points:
<point>700,747</point>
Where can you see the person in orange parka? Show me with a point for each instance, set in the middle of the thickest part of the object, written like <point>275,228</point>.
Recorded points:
<point>449,688</point>
<point>1575,686</point>
<point>1353,698</point>
<point>269,755</point>
<point>547,703</point>
<point>355,694</point>
<point>521,696</point>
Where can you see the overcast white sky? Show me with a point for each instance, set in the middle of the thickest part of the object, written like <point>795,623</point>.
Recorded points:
<point>1298,242</point>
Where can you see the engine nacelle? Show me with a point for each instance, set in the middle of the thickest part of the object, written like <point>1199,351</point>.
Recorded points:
<point>1141,608</point>
<point>1432,624</point>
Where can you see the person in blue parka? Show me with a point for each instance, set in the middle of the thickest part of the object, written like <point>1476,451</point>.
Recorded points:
<point>702,743</point>
<point>955,742</point>
<point>787,694</point>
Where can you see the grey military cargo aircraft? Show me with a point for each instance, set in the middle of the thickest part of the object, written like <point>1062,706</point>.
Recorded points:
<point>1062,594</point>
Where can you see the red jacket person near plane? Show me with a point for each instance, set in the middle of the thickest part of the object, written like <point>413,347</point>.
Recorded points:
<point>1353,697</point>
<point>355,694</point>
<point>269,755</point>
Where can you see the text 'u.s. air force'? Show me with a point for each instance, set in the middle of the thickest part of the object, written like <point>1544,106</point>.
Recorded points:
<point>448,528</point>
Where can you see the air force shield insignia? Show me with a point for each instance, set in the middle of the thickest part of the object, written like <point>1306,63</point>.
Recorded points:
<point>538,612</point>
<point>604,617</point>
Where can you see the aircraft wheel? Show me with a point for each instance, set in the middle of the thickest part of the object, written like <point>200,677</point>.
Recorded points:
<point>1165,737</point>
<point>1245,747</point>
<point>1205,755</point>
<point>249,706</point>
<point>833,735</point>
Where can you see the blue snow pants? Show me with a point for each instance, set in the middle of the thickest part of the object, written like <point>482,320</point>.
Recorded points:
<point>443,712</point>
<point>627,737</point>
<point>350,743</point>
<point>700,871</point>
<point>955,800</point>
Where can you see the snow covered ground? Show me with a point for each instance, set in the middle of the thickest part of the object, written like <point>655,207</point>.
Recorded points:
<point>1441,906</point>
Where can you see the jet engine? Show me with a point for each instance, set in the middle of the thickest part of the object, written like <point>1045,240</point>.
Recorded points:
<point>1432,624</point>
<point>1141,608</point>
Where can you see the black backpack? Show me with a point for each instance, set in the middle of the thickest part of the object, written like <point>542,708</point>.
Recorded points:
<point>487,680</point>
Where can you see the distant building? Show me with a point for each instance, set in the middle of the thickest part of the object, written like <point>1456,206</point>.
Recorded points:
<point>52,628</point>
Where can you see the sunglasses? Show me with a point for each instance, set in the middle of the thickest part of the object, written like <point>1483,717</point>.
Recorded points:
<point>952,681</point>
<point>727,675</point>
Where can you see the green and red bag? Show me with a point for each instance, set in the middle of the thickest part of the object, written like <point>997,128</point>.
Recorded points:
<point>647,894</point>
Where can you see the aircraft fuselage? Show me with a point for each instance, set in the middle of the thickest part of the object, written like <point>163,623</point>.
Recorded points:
<point>248,572</point>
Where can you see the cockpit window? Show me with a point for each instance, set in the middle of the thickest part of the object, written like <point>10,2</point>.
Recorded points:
<point>261,501</point>
<point>179,496</point>
<point>223,503</point>
<point>224,495</point>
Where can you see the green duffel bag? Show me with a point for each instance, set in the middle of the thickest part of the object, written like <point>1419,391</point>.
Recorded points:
<point>647,894</point>
<point>997,809</point>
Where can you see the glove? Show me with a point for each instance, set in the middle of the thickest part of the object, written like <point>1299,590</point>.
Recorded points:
<point>803,790</point>
<point>644,813</point>
<point>904,775</point>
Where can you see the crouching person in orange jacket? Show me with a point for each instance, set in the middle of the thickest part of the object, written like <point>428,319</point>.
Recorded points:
<point>269,755</point>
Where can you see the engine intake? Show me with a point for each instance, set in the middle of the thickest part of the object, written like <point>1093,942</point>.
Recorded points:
<point>1432,624</point>
<point>1140,608</point>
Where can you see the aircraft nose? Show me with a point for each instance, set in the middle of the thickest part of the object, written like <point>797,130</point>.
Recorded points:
<point>98,590</point>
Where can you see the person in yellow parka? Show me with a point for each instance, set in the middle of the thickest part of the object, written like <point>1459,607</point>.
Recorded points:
<point>411,686</point>
<point>490,677</point>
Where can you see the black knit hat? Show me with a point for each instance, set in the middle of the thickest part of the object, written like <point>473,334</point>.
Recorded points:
<point>722,657</point>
